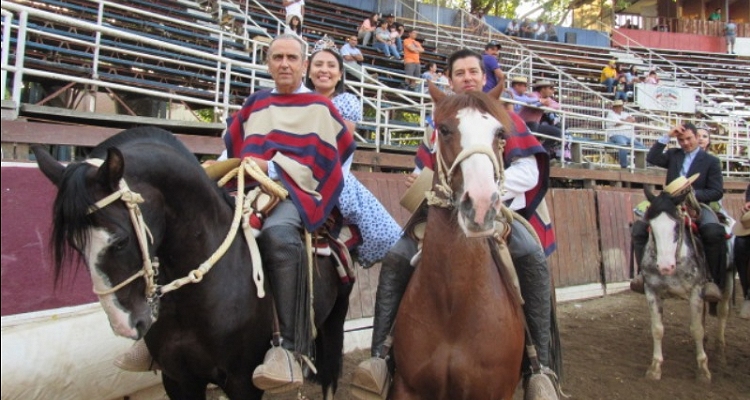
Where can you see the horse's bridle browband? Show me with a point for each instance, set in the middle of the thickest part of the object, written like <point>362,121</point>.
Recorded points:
<point>149,271</point>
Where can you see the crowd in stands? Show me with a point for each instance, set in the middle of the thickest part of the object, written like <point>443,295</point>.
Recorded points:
<point>529,29</point>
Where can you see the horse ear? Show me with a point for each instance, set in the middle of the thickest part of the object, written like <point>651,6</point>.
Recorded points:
<point>435,93</point>
<point>650,196</point>
<point>112,170</point>
<point>50,167</point>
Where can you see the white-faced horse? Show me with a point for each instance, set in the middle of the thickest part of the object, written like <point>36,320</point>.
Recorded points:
<point>674,265</point>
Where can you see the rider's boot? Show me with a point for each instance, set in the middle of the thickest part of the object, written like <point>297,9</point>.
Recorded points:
<point>136,359</point>
<point>715,248</point>
<point>639,236</point>
<point>534,279</point>
<point>372,379</point>
<point>282,251</point>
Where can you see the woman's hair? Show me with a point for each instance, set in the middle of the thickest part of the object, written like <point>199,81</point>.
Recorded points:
<point>296,28</point>
<point>339,60</point>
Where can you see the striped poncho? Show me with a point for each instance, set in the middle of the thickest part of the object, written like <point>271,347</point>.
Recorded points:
<point>307,140</point>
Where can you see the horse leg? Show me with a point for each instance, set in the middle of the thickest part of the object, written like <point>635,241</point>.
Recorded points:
<point>330,343</point>
<point>239,386</point>
<point>657,332</point>
<point>697,328</point>
<point>193,390</point>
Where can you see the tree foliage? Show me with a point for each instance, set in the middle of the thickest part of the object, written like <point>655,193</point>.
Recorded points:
<point>552,10</point>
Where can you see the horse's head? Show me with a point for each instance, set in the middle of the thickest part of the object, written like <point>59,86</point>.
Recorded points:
<point>469,129</point>
<point>666,224</point>
<point>96,218</point>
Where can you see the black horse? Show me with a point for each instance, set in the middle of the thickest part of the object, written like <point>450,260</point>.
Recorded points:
<point>164,218</point>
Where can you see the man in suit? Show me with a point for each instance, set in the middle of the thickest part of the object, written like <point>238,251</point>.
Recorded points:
<point>686,161</point>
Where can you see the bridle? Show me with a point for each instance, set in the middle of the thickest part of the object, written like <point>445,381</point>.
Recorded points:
<point>442,193</point>
<point>684,223</point>
<point>150,267</point>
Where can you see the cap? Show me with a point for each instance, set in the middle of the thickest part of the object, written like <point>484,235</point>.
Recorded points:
<point>543,83</point>
<point>519,79</point>
<point>389,15</point>
<point>612,62</point>
<point>492,44</point>
<point>742,227</point>
<point>617,103</point>
<point>680,184</point>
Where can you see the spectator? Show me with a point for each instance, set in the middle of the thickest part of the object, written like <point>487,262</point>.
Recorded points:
<point>294,26</point>
<point>620,132</point>
<point>629,25</point>
<point>621,88</point>
<point>294,7</point>
<point>532,112</point>
<point>441,81</point>
<point>430,75</point>
<point>383,41</point>
<point>492,69</point>
<point>412,66</point>
<point>541,30</point>
<point>367,28</point>
<point>397,31</point>
<point>716,15</point>
<point>704,139</point>
<point>730,33</point>
<point>652,78</point>
<point>480,23</point>
<point>352,57</point>
<point>513,28</point>
<point>609,75</point>
<point>527,29</point>
<point>552,33</point>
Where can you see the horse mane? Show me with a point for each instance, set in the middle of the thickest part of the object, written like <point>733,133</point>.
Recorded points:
<point>450,105</point>
<point>71,220</point>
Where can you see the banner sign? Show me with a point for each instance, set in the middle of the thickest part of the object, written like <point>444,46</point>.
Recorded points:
<point>665,98</point>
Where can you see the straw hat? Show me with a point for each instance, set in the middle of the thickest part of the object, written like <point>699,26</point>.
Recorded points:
<point>742,227</point>
<point>543,83</point>
<point>218,169</point>
<point>680,184</point>
<point>415,194</point>
<point>612,62</point>
<point>519,79</point>
<point>618,103</point>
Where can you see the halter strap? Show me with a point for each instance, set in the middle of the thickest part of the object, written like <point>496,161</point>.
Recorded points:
<point>150,268</point>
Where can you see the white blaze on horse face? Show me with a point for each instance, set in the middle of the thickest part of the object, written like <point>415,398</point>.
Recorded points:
<point>479,129</point>
<point>663,230</point>
<point>119,320</point>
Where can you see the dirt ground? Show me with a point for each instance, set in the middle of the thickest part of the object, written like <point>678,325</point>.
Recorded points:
<point>607,347</point>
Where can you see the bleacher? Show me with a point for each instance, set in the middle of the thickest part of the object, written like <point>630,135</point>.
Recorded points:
<point>208,52</point>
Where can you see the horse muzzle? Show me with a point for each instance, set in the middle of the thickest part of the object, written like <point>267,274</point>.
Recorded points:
<point>477,213</point>
<point>667,270</point>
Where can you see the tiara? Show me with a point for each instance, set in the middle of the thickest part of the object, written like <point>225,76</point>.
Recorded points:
<point>325,44</point>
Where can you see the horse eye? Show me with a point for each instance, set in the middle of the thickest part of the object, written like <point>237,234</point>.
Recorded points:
<point>444,131</point>
<point>119,243</point>
<point>500,133</point>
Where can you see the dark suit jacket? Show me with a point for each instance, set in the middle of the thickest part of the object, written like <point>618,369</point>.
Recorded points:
<point>708,187</point>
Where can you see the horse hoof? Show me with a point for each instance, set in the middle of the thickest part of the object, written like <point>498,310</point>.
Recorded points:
<point>653,375</point>
<point>703,377</point>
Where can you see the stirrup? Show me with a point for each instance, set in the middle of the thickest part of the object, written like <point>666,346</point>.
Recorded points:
<point>636,284</point>
<point>279,373</point>
<point>745,309</point>
<point>543,385</point>
<point>711,292</point>
<point>136,359</point>
<point>371,380</point>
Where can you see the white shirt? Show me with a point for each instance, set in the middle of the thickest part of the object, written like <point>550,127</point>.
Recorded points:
<point>520,177</point>
<point>295,8</point>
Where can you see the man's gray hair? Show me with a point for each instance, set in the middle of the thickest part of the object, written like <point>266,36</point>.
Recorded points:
<point>290,36</point>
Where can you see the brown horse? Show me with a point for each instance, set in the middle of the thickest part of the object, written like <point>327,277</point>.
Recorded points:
<point>459,330</point>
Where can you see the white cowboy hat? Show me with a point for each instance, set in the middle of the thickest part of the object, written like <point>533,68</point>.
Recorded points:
<point>416,192</point>
<point>742,227</point>
<point>678,185</point>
